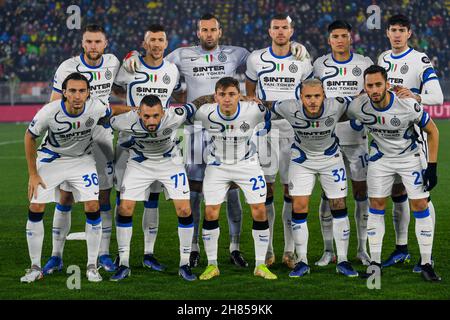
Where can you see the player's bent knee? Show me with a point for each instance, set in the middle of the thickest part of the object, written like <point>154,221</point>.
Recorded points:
<point>259,212</point>
<point>337,204</point>
<point>378,203</point>
<point>126,207</point>
<point>212,212</point>
<point>419,204</point>
<point>182,208</point>
<point>91,206</point>
<point>300,204</point>
<point>65,198</point>
<point>37,207</point>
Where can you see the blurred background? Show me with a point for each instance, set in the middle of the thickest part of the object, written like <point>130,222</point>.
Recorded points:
<point>34,38</point>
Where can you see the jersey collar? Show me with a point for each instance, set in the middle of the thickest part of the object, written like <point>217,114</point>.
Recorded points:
<point>89,66</point>
<point>343,62</point>
<point>401,55</point>
<point>392,97</point>
<point>232,117</point>
<point>63,107</point>
<point>150,67</point>
<point>279,57</point>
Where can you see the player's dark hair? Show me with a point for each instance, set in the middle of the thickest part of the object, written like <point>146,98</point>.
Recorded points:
<point>208,16</point>
<point>399,19</point>
<point>94,28</point>
<point>339,24</point>
<point>156,28</point>
<point>74,76</point>
<point>376,69</point>
<point>151,101</point>
<point>227,82</point>
<point>282,16</point>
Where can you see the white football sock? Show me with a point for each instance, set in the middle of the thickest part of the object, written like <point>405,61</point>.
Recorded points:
<point>62,220</point>
<point>287,226</point>
<point>35,238</point>
<point>361,216</point>
<point>375,233</point>
<point>150,223</point>
<point>185,236</point>
<point>211,242</point>
<point>261,242</point>
<point>401,217</point>
<point>107,220</point>
<point>270,211</point>
<point>425,234</point>
<point>432,213</point>
<point>300,234</point>
<point>326,224</point>
<point>341,234</point>
<point>234,215</point>
<point>124,233</point>
<point>93,229</point>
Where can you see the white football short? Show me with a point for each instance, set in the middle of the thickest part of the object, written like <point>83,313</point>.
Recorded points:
<point>78,174</point>
<point>277,159</point>
<point>120,164</point>
<point>248,175</point>
<point>332,175</point>
<point>356,159</point>
<point>382,174</point>
<point>139,177</point>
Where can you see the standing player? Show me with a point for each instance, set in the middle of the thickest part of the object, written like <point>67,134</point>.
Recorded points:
<point>278,75</point>
<point>316,151</point>
<point>64,156</point>
<point>341,73</point>
<point>412,76</point>
<point>395,152</point>
<point>232,158</point>
<point>154,156</point>
<point>156,76</point>
<point>100,69</point>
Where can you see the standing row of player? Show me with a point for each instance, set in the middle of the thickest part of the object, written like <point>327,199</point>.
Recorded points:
<point>273,74</point>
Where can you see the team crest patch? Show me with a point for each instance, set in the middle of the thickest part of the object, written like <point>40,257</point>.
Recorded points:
<point>425,60</point>
<point>167,131</point>
<point>293,68</point>
<point>166,79</point>
<point>395,122</point>
<point>179,111</point>
<point>222,57</point>
<point>404,69</point>
<point>417,107</point>
<point>329,122</point>
<point>90,122</point>
<point>108,74</point>
<point>245,127</point>
<point>356,71</point>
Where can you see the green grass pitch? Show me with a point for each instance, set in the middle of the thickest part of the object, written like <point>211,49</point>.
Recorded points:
<point>323,283</point>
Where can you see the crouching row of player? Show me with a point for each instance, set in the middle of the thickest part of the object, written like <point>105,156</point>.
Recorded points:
<point>233,122</point>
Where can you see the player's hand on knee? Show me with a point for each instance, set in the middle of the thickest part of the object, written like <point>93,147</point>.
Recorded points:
<point>33,184</point>
<point>299,51</point>
<point>131,61</point>
<point>430,177</point>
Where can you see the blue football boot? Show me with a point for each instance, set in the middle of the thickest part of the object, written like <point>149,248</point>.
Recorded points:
<point>397,257</point>
<point>150,262</point>
<point>105,262</point>
<point>186,273</point>
<point>300,270</point>
<point>346,269</point>
<point>53,264</point>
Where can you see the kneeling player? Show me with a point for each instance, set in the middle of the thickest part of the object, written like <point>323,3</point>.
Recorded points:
<point>315,151</point>
<point>232,158</point>
<point>154,156</point>
<point>64,156</point>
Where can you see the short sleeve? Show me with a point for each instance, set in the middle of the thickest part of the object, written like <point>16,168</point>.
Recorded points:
<point>121,79</point>
<point>251,72</point>
<point>39,124</point>
<point>174,57</point>
<point>61,74</point>
<point>421,117</point>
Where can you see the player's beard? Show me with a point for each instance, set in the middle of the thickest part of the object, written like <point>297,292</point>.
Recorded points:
<point>94,56</point>
<point>378,100</point>
<point>209,45</point>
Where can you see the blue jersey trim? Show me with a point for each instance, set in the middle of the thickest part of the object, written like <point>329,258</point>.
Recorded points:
<point>402,55</point>
<point>57,90</point>
<point>34,135</point>
<point>421,214</point>
<point>279,57</point>
<point>343,62</point>
<point>63,106</point>
<point>234,116</point>
<point>150,67</point>
<point>250,79</point>
<point>376,211</point>
<point>89,66</point>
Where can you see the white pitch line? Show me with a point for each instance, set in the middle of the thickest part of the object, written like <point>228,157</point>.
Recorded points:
<point>4,143</point>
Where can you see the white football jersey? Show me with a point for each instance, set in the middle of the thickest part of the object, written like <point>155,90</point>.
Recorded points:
<point>344,79</point>
<point>160,81</point>
<point>66,135</point>
<point>100,78</point>
<point>230,138</point>
<point>158,146</point>
<point>314,137</point>
<point>201,69</point>
<point>392,128</point>
<point>278,78</point>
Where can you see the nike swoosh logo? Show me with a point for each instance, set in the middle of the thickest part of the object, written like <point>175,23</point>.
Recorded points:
<point>96,193</point>
<point>328,72</point>
<point>262,195</point>
<point>60,129</point>
<point>265,68</point>
<point>342,189</point>
<point>184,192</point>
<point>138,78</point>
<point>193,59</point>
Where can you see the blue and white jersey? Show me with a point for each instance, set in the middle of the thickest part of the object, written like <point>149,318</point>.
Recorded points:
<point>66,135</point>
<point>277,78</point>
<point>160,81</point>
<point>100,78</point>
<point>392,128</point>
<point>160,145</point>
<point>230,138</point>
<point>344,79</point>
<point>315,138</point>
<point>413,70</point>
<point>201,69</point>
